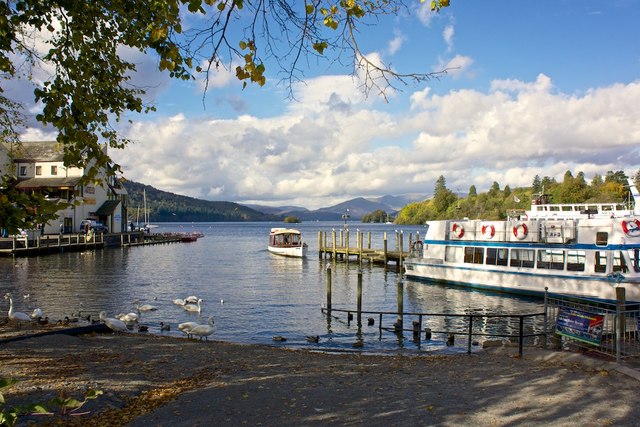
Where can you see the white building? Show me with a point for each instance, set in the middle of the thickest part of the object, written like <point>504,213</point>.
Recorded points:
<point>39,167</point>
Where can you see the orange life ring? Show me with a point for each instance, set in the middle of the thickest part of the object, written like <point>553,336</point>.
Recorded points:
<point>516,231</point>
<point>488,231</point>
<point>458,230</point>
<point>631,227</point>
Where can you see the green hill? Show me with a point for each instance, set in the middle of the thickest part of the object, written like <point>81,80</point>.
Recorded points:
<point>169,207</point>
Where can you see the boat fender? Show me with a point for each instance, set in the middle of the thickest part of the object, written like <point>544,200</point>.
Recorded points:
<point>458,230</point>
<point>631,227</point>
<point>517,230</point>
<point>488,231</point>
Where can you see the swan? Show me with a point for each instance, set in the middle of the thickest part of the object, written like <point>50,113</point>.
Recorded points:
<point>194,308</point>
<point>37,313</point>
<point>18,316</point>
<point>179,301</point>
<point>128,318</point>
<point>144,307</point>
<point>186,327</point>
<point>191,299</point>
<point>112,323</point>
<point>203,331</point>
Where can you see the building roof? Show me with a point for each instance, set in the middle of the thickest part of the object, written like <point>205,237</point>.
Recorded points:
<point>38,151</point>
<point>64,182</point>
<point>107,208</point>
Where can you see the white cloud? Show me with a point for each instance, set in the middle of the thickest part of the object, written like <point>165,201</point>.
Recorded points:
<point>457,66</point>
<point>447,35</point>
<point>396,43</point>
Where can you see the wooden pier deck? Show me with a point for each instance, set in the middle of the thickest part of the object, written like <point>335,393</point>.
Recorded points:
<point>338,247</point>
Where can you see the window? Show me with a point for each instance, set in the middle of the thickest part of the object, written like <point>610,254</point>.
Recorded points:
<point>551,259</point>
<point>473,255</point>
<point>453,254</point>
<point>634,255</point>
<point>602,237</point>
<point>601,262</point>
<point>576,260</point>
<point>522,258</point>
<point>619,264</point>
<point>497,256</point>
<point>54,170</point>
<point>23,171</point>
<point>38,170</point>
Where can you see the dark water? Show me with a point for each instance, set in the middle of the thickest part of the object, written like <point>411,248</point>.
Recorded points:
<point>252,294</point>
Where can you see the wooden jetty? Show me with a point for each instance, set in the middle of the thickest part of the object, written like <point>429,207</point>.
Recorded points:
<point>336,245</point>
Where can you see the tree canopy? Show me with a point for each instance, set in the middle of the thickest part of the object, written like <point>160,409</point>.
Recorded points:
<point>74,52</point>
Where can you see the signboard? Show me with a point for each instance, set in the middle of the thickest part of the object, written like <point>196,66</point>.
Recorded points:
<point>580,325</point>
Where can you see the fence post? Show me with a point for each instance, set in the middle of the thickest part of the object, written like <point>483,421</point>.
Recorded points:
<point>329,288</point>
<point>400,304</point>
<point>620,324</point>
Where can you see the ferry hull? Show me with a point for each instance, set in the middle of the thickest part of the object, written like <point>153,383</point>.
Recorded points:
<point>520,281</point>
<point>294,252</point>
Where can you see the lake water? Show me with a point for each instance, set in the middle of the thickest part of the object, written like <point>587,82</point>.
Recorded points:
<point>253,295</point>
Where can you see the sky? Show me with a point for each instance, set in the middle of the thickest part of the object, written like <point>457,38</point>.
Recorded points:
<point>533,88</point>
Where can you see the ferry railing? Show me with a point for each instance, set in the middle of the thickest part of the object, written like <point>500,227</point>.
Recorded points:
<point>535,327</point>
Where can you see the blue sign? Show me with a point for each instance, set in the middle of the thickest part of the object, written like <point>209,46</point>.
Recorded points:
<point>580,325</point>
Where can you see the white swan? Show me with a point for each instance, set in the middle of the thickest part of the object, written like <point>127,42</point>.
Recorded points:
<point>18,316</point>
<point>128,318</point>
<point>112,323</point>
<point>194,308</point>
<point>186,327</point>
<point>144,307</point>
<point>203,331</point>
<point>179,301</point>
<point>37,312</point>
<point>191,299</point>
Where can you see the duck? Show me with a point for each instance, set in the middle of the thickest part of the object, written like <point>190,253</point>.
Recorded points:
<point>279,338</point>
<point>450,340</point>
<point>143,328</point>
<point>194,308</point>
<point>165,326</point>
<point>113,323</point>
<point>313,338</point>
<point>17,316</point>
<point>186,327</point>
<point>203,331</point>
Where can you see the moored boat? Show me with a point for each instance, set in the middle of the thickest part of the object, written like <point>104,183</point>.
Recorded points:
<point>287,242</point>
<point>577,250</point>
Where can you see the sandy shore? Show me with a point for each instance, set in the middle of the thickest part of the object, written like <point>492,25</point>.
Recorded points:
<point>159,381</point>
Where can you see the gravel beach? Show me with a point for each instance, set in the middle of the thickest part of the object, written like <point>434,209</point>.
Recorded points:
<point>150,380</point>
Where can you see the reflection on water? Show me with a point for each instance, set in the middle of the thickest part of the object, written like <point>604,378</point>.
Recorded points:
<point>252,294</point>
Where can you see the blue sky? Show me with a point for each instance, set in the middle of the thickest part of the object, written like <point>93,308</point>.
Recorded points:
<point>540,88</point>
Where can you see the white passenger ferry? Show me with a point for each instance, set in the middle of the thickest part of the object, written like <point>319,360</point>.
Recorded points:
<point>287,242</point>
<point>584,250</point>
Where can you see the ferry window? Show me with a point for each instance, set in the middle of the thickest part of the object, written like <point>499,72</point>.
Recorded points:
<point>554,208</point>
<point>567,208</point>
<point>576,260</point>
<point>497,256</point>
<point>602,237</point>
<point>634,255</point>
<point>522,258</point>
<point>601,262</point>
<point>473,255</point>
<point>619,264</point>
<point>453,254</point>
<point>551,259</point>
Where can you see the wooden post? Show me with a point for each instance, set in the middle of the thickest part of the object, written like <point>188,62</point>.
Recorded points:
<point>360,236</point>
<point>384,245</point>
<point>346,243</point>
<point>359,303</point>
<point>329,288</point>
<point>320,248</point>
<point>333,238</point>
<point>400,253</point>
<point>621,320</point>
<point>400,297</point>
<point>369,240</point>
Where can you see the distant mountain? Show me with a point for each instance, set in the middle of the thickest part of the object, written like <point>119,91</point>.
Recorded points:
<point>357,207</point>
<point>169,207</point>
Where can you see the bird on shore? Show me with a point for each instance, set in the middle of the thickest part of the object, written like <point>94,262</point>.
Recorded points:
<point>143,328</point>
<point>128,318</point>
<point>203,331</point>
<point>165,326</point>
<point>313,338</point>
<point>450,340</point>
<point>113,323</point>
<point>279,338</point>
<point>16,316</point>
<point>186,327</point>
<point>193,307</point>
<point>37,312</point>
